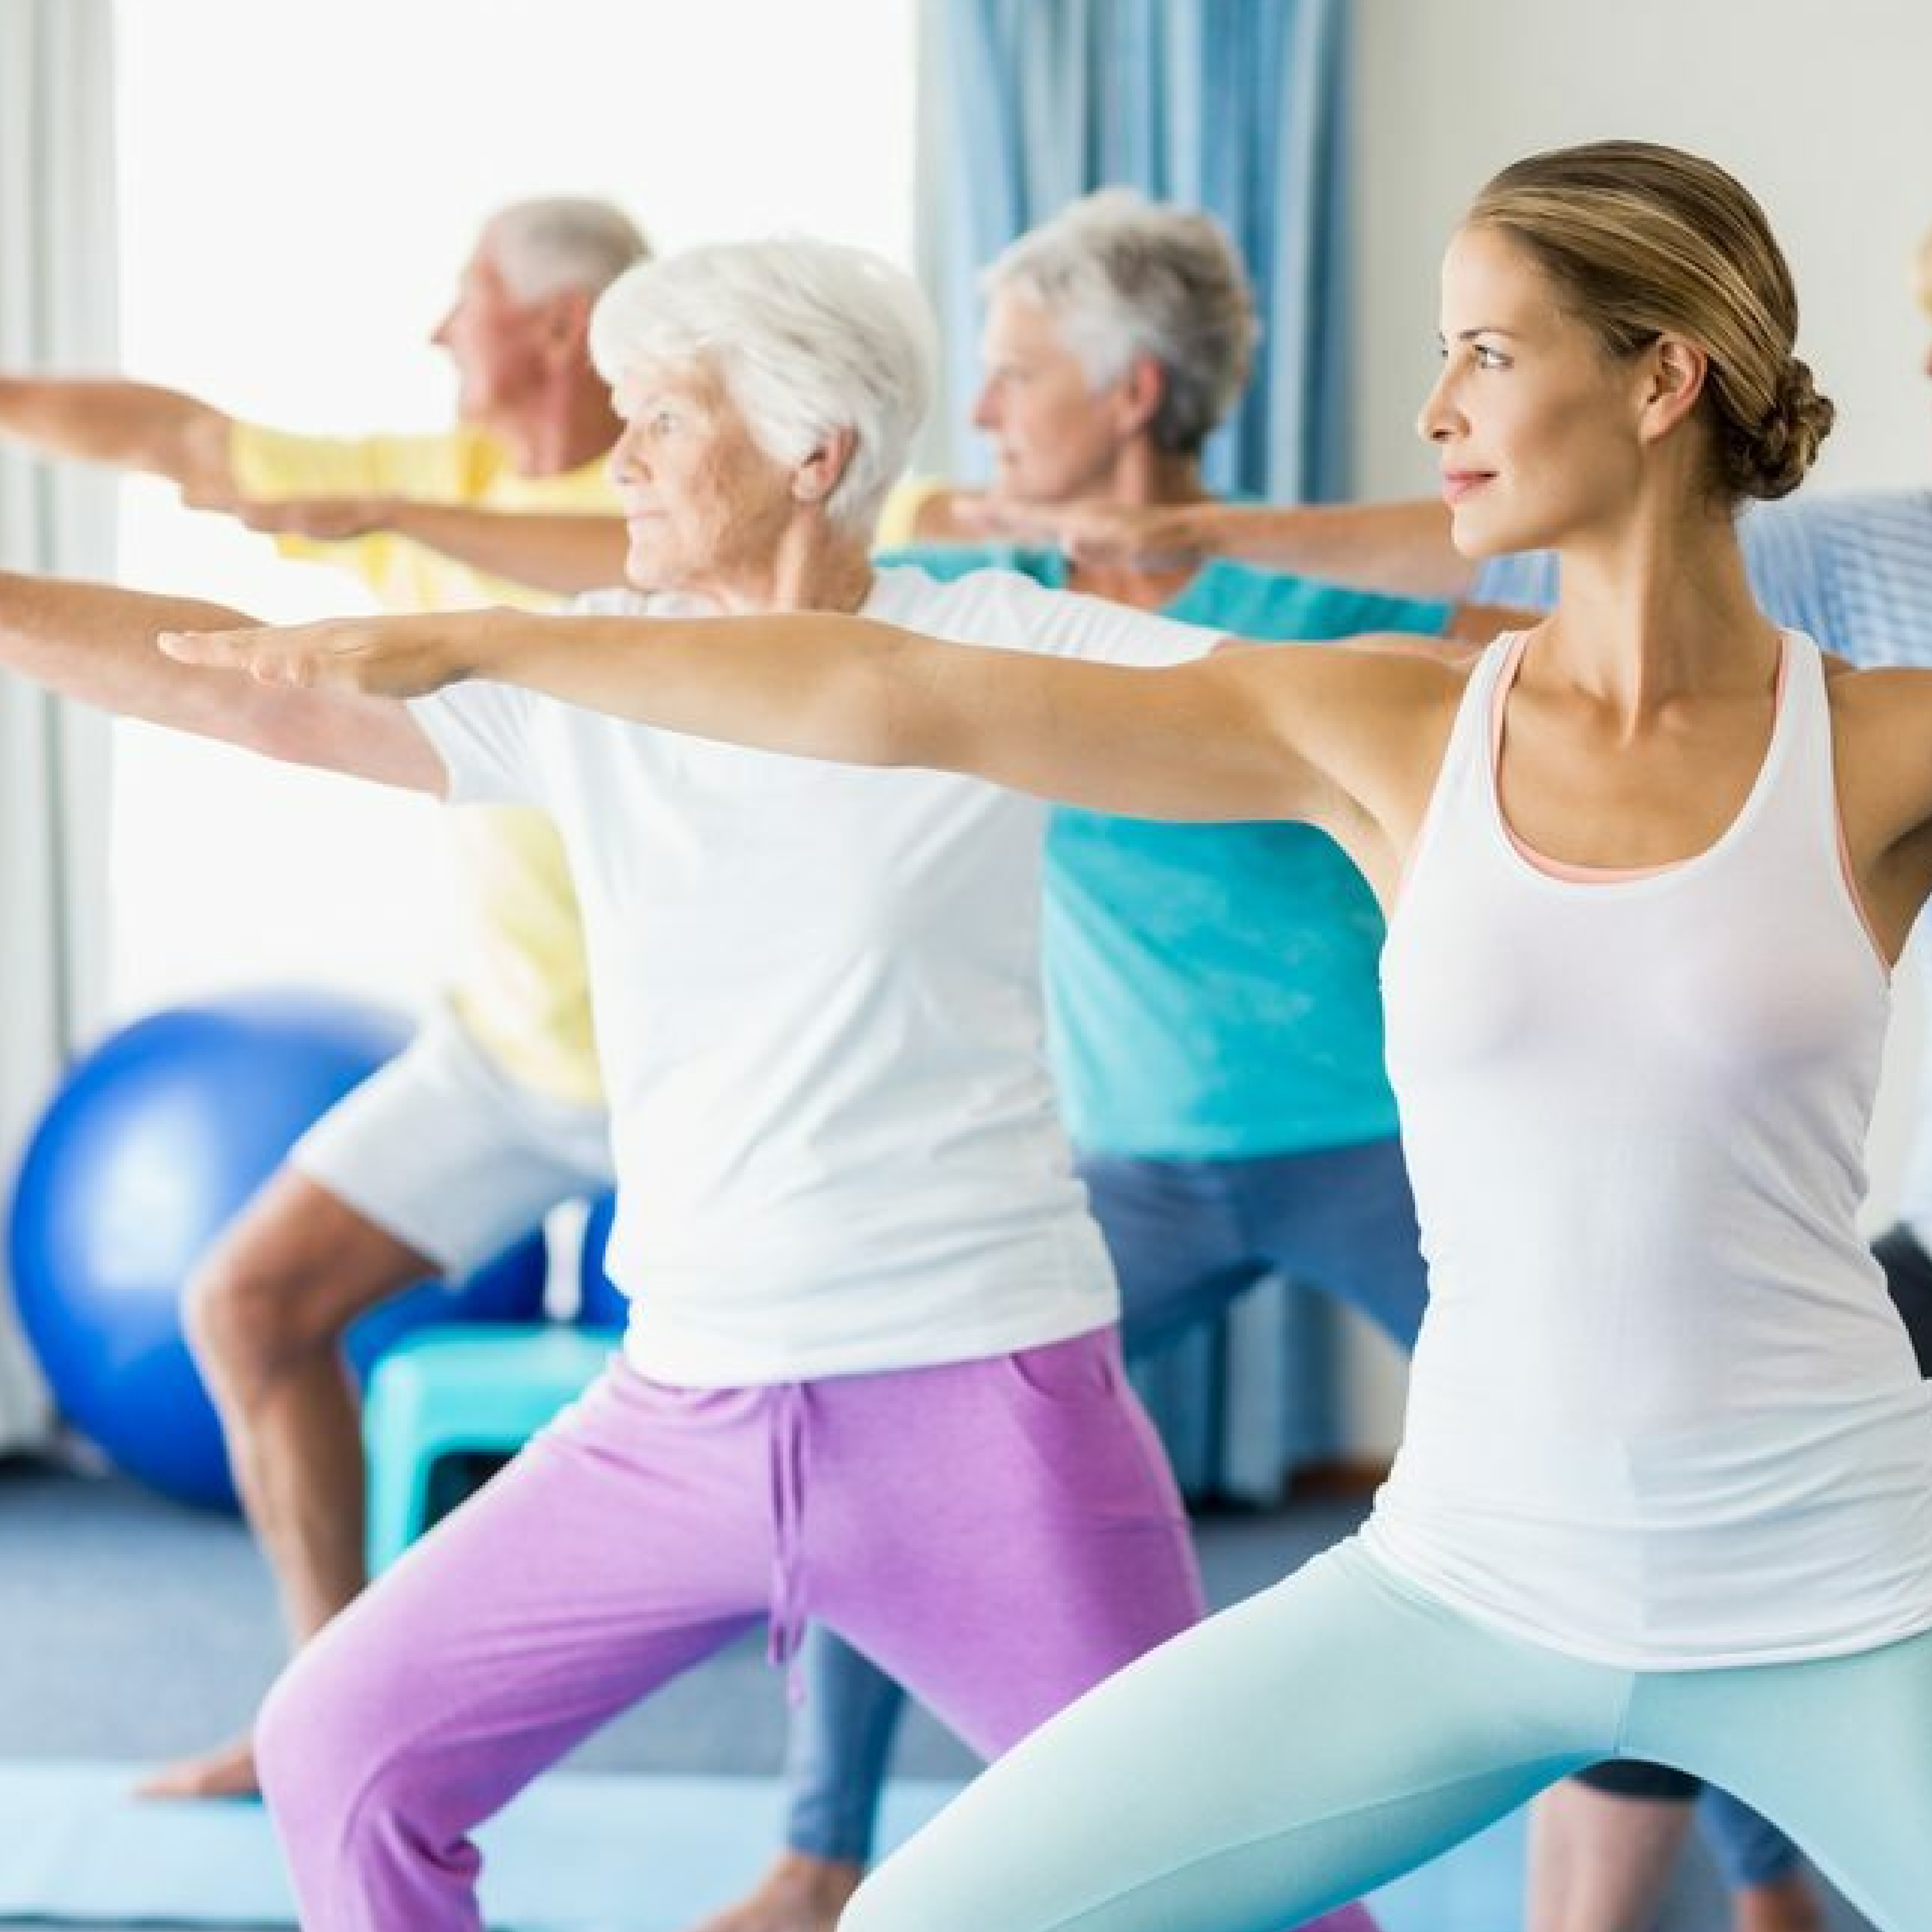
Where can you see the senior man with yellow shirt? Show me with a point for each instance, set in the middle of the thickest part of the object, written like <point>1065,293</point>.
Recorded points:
<point>495,1113</point>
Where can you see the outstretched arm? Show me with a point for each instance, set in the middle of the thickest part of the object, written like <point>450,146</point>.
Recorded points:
<point>1401,547</point>
<point>564,554</point>
<point>1323,734</point>
<point>131,425</point>
<point>96,643</point>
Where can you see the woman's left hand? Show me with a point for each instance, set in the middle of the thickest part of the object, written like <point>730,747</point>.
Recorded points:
<point>386,657</point>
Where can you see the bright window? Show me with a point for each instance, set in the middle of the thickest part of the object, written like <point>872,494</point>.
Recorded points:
<point>298,187</point>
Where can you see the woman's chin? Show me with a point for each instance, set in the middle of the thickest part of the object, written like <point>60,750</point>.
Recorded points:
<point>1479,532</point>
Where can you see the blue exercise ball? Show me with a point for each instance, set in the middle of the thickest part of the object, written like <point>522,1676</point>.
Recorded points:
<point>154,1142</point>
<point>601,1303</point>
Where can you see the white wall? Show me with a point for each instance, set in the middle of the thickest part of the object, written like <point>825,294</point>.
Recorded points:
<point>1824,111</point>
<point>299,187</point>
<point>1821,110</point>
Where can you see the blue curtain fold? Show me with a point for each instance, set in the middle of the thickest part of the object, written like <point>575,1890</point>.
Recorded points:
<point>1239,107</point>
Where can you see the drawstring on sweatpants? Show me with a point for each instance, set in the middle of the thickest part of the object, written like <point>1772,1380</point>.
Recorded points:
<point>788,1502</point>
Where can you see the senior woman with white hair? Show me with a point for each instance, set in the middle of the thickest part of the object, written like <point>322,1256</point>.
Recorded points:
<point>875,1379</point>
<point>1215,1022</point>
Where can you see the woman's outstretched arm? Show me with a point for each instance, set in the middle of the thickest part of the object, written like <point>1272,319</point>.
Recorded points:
<point>1315,732</point>
<point>95,643</point>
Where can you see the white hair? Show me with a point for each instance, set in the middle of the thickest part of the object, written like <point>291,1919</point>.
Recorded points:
<point>808,337</point>
<point>1124,277</point>
<point>563,242</point>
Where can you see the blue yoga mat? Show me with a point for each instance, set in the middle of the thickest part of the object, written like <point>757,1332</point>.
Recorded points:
<point>574,1854</point>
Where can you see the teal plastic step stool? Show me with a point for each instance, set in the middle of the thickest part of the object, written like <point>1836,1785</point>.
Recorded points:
<point>464,1389</point>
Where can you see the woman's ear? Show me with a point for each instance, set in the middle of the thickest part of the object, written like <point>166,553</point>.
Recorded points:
<point>815,478</point>
<point>1138,394</point>
<point>1675,374</point>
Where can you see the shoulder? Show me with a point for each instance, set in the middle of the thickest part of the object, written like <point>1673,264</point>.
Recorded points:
<point>947,562</point>
<point>618,601</point>
<point>1007,609</point>
<point>960,601</point>
<point>1881,720</point>
<point>1432,671</point>
<point>1890,691</point>
<point>1388,684</point>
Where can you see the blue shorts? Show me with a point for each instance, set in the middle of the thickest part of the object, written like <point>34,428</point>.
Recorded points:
<point>1188,1237</point>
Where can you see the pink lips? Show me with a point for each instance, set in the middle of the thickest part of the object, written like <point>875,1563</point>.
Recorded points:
<point>1458,483</point>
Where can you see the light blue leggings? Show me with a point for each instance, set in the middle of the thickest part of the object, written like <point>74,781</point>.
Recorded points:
<point>1187,1237</point>
<point>1344,1727</point>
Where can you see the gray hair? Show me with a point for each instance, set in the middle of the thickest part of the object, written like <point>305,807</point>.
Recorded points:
<point>563,242</point>
<point>1124,277</point>
<point>808,337</point>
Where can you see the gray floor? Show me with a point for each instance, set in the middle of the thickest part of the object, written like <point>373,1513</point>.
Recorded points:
<point>131,1629</point>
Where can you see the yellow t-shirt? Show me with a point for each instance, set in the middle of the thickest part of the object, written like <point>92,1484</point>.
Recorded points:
<point>898,521</point>
<point>522,987</point>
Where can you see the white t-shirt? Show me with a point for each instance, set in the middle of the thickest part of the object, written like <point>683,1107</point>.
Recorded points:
<point>818,1008</point>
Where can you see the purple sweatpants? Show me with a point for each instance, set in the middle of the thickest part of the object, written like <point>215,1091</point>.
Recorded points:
<point>1000,1535</point>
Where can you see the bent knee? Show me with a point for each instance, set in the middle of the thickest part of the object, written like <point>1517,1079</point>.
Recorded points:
<point>295,1764</point>
<point>244,1321</point>
<point>333,1751</point>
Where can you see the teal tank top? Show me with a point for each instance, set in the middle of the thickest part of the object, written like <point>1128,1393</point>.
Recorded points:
<point>1211,990</point>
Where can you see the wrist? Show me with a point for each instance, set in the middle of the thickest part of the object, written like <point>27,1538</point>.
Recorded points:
<point>493,641</point>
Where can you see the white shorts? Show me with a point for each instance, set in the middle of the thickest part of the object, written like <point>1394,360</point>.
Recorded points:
<point>445,1150</point>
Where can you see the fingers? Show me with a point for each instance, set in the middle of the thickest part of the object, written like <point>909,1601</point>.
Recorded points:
<point>267,655</point>
<point>272,519</point>
<point>206,496</point>
<point>220,649</point>
<point>326,518</point>
<point>1010,517</point>
<point>1089,530</point>
<point>394,657</point>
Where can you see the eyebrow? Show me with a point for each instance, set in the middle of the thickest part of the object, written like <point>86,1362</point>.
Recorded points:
<point>1481,328</point>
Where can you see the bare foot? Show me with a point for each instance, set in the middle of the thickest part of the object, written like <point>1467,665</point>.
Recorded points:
<point>797,1893</point>
<point>228,1771</point>
<point>1787,1904</point>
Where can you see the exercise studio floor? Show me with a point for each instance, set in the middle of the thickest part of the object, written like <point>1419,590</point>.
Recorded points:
<point>131,1629</point>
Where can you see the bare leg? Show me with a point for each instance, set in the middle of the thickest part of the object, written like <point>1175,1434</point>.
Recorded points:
<point>1790,1903</point>
<point>1601,1863</point>
<point>798,1893</point>
<point>265,1316</point>
<point>1772,1887</point>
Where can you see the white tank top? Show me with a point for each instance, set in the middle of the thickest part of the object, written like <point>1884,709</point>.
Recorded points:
<point>1662,1413</point>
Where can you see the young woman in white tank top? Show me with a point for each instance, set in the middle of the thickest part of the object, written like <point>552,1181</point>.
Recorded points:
<point>1665,1488</point>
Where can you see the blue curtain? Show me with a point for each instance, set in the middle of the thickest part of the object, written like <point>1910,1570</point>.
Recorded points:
<point>1236,106</point>
<point>1239,107</point>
